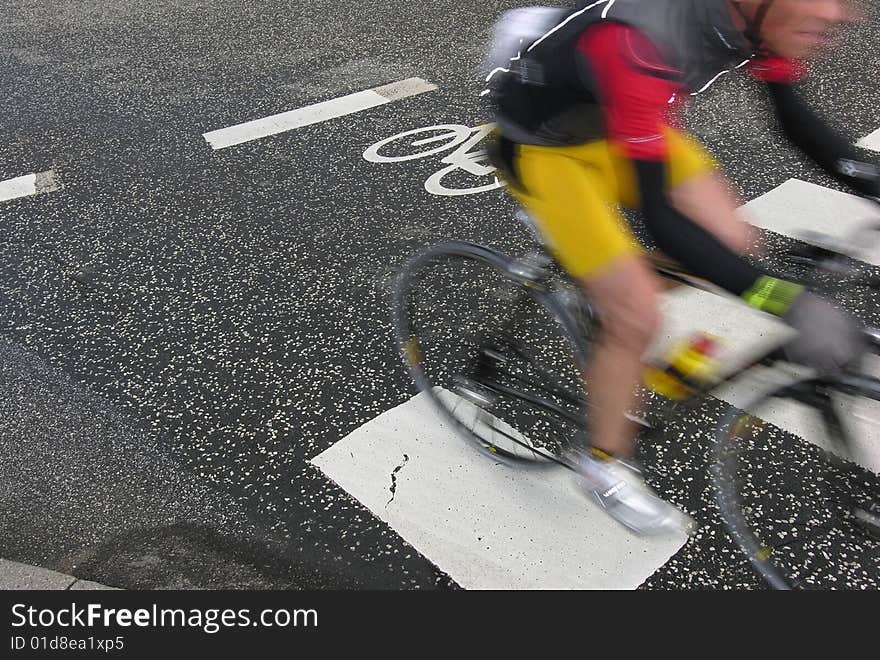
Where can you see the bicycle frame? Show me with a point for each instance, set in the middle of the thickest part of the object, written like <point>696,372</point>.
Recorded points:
<point>536,278</point>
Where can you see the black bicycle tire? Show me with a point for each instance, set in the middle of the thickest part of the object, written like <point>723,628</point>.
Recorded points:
<point>723,468</point>
<point>404,334</point>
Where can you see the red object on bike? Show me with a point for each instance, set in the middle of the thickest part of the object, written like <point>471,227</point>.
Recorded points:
<point>704,344</point>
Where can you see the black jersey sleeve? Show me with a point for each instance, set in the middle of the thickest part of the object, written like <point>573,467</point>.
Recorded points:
<point>685,241</point>
<point>830,150</point>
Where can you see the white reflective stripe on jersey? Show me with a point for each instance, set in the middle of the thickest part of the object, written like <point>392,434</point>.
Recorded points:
<point>566,22</point>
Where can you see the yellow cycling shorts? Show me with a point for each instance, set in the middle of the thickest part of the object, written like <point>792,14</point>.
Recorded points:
<point>573,194</point>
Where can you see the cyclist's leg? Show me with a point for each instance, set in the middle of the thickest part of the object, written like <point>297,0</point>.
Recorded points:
<point>570,192</point>
<point>625,294</point>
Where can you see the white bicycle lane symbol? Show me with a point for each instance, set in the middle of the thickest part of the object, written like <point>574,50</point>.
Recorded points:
<point>464,158</point>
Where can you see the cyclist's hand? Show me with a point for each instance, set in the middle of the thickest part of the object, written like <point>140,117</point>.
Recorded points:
<point>828,339</point>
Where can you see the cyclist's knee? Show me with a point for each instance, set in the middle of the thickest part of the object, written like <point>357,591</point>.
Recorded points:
<point>635,325</point>
<point>626,297</point>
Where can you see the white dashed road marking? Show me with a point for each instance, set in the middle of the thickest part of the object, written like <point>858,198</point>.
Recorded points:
<point>29,184</point>
<point>316,113</point>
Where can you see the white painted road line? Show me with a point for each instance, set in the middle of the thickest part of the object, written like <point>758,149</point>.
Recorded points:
<point>313,114</point>
<point>29,184</point>
<point>871,142</point>
<point>487,525</point>
<point>796,206</point>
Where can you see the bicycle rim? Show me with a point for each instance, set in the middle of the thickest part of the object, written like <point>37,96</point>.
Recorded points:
<point>791,504</point>
<point>494,352</point>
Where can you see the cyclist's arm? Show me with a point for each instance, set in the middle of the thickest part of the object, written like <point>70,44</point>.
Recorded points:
<point>635,88</point>
<point>684,240</point>
<point>815,137</point>
<point>832,152</point>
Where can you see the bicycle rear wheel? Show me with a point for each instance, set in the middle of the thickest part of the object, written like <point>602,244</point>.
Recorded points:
<point>498,354</point>
<point>804,512</point>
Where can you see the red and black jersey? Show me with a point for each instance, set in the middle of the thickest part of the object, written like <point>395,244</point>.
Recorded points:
<point>639,92</point>
<point>563,87</point>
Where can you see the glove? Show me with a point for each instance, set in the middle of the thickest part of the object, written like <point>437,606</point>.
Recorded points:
<point>828,339</point>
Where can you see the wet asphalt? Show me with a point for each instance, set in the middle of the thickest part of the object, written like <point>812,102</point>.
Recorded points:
<point>183,329</point>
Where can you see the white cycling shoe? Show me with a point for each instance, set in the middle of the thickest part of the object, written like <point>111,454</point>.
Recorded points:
<point>621,491</point>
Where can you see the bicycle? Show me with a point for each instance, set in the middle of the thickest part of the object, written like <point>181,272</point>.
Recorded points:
<point>509,380</point>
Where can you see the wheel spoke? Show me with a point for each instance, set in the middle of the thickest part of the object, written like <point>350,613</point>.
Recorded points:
<point>789,520</point>
<point>474,325</point>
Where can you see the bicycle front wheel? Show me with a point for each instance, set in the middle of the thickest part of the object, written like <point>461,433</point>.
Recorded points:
<point>802,511</point>
<point>497,353</point>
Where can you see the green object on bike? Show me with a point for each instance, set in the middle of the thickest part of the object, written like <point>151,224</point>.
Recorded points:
<point>772,295</point>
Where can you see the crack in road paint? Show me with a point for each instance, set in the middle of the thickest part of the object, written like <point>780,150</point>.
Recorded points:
<point>394,479</point>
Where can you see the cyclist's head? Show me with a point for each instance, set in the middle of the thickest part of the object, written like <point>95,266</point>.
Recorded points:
<point>797,29</point>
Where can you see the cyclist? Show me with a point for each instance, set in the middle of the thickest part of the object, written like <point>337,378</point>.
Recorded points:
<point>586,113</point>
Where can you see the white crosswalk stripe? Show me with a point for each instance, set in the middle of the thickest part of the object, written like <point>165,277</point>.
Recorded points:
<point>492,527</point>
<point>487,525</point>
<point>871,141</point>
<point>797,207</point>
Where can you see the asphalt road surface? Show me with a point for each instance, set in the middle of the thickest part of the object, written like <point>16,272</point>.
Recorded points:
<point>183,329</point>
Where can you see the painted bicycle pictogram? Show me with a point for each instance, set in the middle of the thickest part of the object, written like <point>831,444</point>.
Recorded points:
<point>433,140</point>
